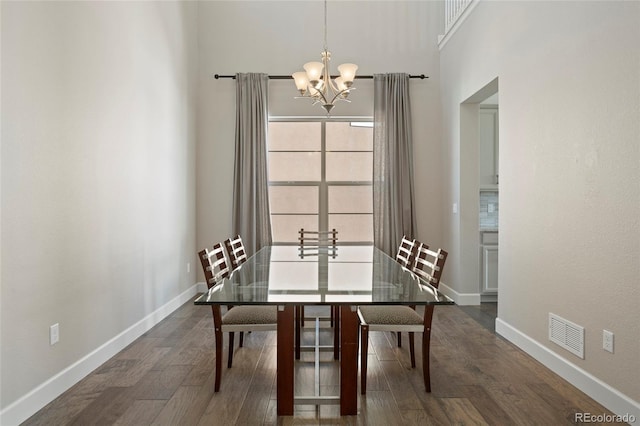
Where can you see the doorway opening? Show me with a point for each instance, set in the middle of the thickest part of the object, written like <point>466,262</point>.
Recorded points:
<point>479,193</point>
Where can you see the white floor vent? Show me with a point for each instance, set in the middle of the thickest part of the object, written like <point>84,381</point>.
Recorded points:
<point>566,334</point>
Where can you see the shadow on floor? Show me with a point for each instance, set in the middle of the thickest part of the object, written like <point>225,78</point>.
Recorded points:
<point>485,314</point>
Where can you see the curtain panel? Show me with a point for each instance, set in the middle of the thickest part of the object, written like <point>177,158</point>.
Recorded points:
<point>393,192</point>
<point>251,219</point>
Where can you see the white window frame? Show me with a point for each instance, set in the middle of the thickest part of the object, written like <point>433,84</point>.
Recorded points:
<point>323,185</point>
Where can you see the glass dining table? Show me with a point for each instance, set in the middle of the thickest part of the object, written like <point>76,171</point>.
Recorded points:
<point>344,276</point>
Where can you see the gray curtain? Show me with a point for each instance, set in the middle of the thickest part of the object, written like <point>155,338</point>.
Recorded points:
<point>250,181</point>
<point>393,207</point>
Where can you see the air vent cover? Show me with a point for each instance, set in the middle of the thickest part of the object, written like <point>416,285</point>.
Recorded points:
<point>566,334</point>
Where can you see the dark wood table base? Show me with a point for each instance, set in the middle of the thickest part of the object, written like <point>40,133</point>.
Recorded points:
<point>348,360</point>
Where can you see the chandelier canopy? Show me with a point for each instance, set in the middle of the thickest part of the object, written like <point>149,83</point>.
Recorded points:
<point>315,81</point>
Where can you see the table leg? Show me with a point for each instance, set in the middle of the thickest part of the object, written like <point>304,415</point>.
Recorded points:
<point>348,361</point>
<point>285,355</point>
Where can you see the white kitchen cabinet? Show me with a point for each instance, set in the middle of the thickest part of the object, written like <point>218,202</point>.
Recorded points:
<point>489,262</point>
<point>490,269</point>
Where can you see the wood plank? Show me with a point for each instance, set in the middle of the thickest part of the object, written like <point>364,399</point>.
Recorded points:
<point>255,406</point>
<point>225,405</point>
<point>378,408</point>
<point>462,411</point>
<point>141,412</point>
<point>106,408</point>
<point>400,385</point>
<point>185,406</point>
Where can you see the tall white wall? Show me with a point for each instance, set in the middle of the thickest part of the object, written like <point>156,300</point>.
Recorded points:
<point>278,38</point>
<point>569,170</point>
<point>98,180</point>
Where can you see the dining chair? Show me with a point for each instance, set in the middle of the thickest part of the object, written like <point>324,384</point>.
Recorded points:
<point>237,253</point>
<point>312,243</point>
<point>406,252</point>
<point>404,256</point>
<point>427,267</point>
<point>236,318</point>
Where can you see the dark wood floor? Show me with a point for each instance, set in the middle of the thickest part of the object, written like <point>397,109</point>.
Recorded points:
<point>166,378</point>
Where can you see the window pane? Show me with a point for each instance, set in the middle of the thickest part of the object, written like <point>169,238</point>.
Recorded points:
<point>294,166</point>
<point>288,136</point>
<point>350,166</point>
<point>293,199</point>
<point>285,227</point>
<point>352,227</point>
<point>350,199</point>
<point>341,136</point>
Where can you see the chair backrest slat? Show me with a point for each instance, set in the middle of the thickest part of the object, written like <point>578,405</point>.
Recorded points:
<point>214,264</point>
<point>429,264</point>
<point>406,252</point>
<point>237,253</point>
<point>311,242</point>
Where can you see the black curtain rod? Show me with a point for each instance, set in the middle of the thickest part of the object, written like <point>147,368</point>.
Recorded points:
<point>286,77</point>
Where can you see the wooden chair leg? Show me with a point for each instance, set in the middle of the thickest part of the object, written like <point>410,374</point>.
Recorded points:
<point>230,360</point>
<point>331,321</point>
<point>364,349</point>
<point>412,349</point>
<point>399,336</point>
<point>217,320</point>
<point>336,333</point>
<point>241,340</point>
<point>426,344</point>
<point>298,330</point>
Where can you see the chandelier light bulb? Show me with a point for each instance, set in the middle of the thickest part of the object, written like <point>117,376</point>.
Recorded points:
<point>301,80</point>
<point>348,73</point>
<point>314,71</point>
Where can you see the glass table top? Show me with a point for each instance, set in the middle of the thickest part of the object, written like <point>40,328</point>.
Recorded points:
<point>348,275</point>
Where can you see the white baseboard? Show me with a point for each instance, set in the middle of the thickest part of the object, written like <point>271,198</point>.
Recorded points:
<point>29,404</point>
<point>601,392</point>
<point>460,298</point>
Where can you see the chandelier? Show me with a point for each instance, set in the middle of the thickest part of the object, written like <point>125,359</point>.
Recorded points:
<point>315,81</point>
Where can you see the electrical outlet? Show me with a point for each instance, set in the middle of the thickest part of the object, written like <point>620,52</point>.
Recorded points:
<point>188,267</point>
<point>455,208</point>
<point>607,341</point>
<point>54,334</point>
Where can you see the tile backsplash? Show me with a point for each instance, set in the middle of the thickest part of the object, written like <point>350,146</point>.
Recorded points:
<point>488,209</point>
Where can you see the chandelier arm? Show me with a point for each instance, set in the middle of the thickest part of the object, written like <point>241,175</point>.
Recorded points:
<point>315,97</point>
<point>337,95</point>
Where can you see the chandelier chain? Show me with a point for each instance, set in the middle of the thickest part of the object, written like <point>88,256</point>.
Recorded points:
<point>325,25</point>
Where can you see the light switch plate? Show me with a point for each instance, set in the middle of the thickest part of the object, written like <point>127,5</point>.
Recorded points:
<point>607,341</point>
<point>54,334</point>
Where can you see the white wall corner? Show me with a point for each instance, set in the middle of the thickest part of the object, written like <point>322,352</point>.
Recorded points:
<point>41,395</point>
<point>462,299</point>
<point>595,388</point>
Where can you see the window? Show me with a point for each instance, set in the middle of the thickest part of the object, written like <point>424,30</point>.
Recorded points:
<point>320,178</point>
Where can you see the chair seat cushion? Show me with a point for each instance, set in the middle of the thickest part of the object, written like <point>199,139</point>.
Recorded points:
<point>391,315</point>
<point>251,315</point>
